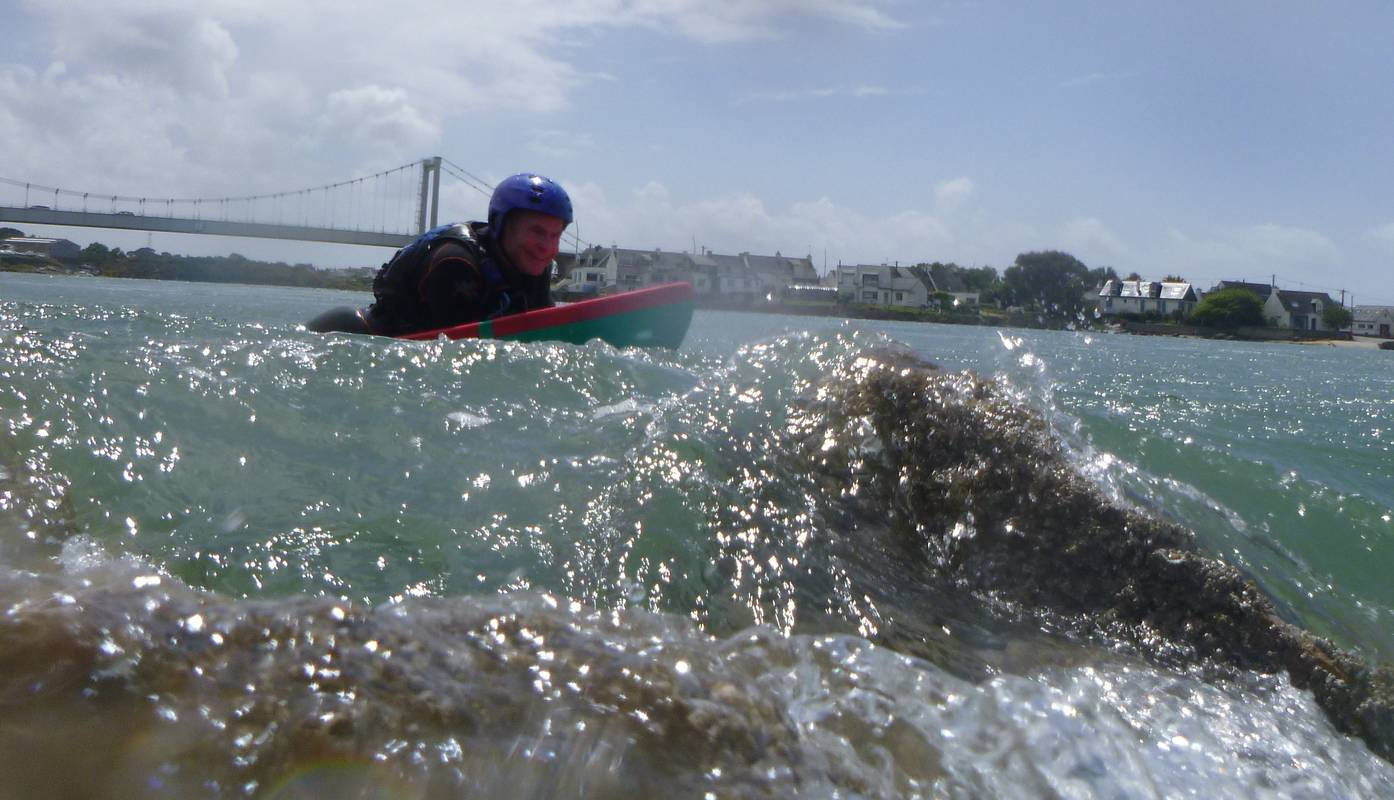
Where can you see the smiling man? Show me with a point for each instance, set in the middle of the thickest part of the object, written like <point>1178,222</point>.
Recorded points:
<point>467,272</point>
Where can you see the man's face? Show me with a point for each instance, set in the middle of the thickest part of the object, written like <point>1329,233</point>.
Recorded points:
<point>531,240</point>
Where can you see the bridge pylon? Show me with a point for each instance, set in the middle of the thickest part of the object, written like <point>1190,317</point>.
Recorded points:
<point>430,185</point>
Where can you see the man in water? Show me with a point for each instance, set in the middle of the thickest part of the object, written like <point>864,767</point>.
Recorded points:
<point>467,272</point>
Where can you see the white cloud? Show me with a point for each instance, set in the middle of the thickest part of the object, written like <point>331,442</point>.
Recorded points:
<point>380,117</point>
<point>1383,237</point>
<point>1288,244</point>
<point>721,21</point>
<point>1089,239</point>
<point>955,193</point>
<point>1094,78</point>
<point>1258,245</point>
<point>240,96</point>
<point>160,46</point>
<point>794,95</point>
<point>1296,256</point>
<point>744,222</point>
<point>559,145</point>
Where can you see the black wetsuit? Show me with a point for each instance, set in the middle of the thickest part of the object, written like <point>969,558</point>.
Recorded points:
<point>450,275</point>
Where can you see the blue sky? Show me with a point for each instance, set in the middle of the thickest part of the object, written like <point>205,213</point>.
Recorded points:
<point>1211,140</point>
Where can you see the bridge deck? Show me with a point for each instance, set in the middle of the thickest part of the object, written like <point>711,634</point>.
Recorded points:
<point>139,222</point>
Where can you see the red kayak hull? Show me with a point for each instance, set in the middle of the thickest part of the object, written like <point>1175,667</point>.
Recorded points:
<point>656,316</point>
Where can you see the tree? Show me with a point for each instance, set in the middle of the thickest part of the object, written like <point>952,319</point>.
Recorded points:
<point>1049,280</point>
<point>96,254</point>
<point>1229,308</point>
<point>979,279</point>
<point>1102,275</point>
<point>1173,279</point>
<point>1133,276</point>
<point>1336,317</point>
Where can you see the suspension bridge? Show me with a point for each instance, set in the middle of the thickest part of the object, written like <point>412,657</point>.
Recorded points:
<point>386,209</point>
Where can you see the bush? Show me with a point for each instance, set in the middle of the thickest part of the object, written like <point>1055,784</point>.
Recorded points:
<point>1229,308</point>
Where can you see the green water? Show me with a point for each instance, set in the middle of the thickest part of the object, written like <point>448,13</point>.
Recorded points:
<point>195,433</point>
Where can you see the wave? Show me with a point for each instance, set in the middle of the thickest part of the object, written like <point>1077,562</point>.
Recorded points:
<point>819,562</point>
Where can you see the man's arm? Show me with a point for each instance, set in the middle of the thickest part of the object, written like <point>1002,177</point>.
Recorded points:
<point>451,289</point>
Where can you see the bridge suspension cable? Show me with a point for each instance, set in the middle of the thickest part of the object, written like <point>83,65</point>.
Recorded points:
<point>378,203</point>
<point>238,199</point>
<point>325,202</point>
<point>473,181</point>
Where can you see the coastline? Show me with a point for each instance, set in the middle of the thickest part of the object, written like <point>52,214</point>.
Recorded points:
<point>1358,342</point>
<point>853,311</point>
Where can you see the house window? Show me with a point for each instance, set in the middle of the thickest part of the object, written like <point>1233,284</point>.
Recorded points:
<point>871,279</point>
<point>869,297</point>
<point>899,296</point>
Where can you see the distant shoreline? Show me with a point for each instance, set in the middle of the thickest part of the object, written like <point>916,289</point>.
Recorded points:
<point>1005,320</point>
<point>1357,342</point>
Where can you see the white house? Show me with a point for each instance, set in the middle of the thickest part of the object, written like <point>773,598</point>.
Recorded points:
<point>1142,297</point>
<point>1300,310</point>
<point>884,285</point>
<point>1287,309</point>
<point>61,249</point>
<point>595,268</point>
<point>778,272</point>
<point>947,280</point>
<point>1373,321</point>
<point>739,277</point>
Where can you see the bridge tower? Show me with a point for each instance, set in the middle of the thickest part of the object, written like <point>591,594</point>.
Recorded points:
<point>430,185</point>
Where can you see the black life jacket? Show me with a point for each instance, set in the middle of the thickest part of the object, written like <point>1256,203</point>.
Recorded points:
<point>398,306</point>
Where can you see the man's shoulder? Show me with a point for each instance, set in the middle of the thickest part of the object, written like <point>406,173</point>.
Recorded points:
<point>469,236</point>
<point>464,231</point>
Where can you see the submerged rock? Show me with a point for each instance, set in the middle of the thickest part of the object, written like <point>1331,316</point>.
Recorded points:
<point>975,491</point>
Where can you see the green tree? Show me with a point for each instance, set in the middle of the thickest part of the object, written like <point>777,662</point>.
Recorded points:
<point>1102,274</point>
<point>96,254</point>
<point>1050,280</point>
<point>1133,276</point>
<point>1229,308</point>
<point>979,279</point>
<point>1337,317</point>
<point>1173,279</point>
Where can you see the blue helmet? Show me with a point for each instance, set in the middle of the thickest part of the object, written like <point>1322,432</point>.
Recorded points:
<point>532,192</point>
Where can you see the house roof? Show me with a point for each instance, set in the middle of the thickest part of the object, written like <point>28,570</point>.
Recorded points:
<point>1112,288</point>
<point>1372,312</point>
<point>727,263</point>
<point>1302,301</point>
<point>13,240</point>
<point>1177,290</point>
<point>797,268</point>
<point>703,260</point>
<point>947,278</point>
<point>923,276</point>
<point>1148,290</point>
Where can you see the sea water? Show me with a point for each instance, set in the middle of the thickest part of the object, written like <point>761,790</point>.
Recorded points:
<point>241,559</point>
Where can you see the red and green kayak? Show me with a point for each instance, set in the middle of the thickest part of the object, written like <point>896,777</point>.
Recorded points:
<point>656,316</point>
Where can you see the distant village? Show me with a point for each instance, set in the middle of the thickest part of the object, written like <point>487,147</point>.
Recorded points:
<point>793,284</point>
<point>750,279</point>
